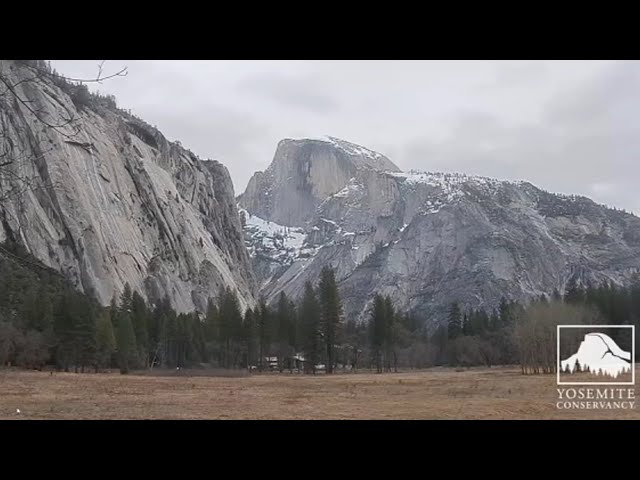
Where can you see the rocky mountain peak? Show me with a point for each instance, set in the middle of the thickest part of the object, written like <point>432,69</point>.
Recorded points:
<point>360,156</point>
<point>303,173</point>
<point>424,238</point>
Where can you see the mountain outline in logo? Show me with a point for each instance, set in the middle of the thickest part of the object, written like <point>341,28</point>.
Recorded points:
<point>598,354</point>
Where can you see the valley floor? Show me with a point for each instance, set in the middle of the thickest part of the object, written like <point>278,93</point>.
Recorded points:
<point>497,393</point>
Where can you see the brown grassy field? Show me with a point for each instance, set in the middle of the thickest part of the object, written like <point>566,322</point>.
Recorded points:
<point>497,393</point>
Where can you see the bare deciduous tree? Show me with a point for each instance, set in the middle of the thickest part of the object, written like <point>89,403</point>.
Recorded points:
<point>535,333</point>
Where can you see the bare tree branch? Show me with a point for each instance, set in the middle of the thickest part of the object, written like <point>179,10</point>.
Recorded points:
<point>100,65</point>
<point>14,183</point>
<point>99,78</point>
<point>57,128</point>
<point>24,80</point>
<point>20,184</point>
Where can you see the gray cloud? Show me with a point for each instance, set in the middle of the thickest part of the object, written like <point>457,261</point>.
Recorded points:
<point>227,136</point>
<point>566,126</point>
<point>586,142</point>
<point>302,92</point>
<point>515,74</point>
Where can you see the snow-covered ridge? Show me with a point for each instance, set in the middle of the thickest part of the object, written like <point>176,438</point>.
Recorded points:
<point>347,147</point>
<point>444,179</point>
<point>449,184</point>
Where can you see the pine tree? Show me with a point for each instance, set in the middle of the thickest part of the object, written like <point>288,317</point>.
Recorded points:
<point>113,310</point>
<point>39,310</point>
<point>285,322</point>
<point>377,327</point>
<point>84,331</point>
<point>505,313</point>
<point>211,321</point>
<point>105,340</point>
<point>293,336</point>
<point>410,322</point>
<point>125,335</point>
<point>466,325</point>
<point>161,328</point>
<point>230,326</point>
<point>485,320</point>
<point>310,326</point>
<point>210,330</point>
<point>478,322</point>
<point>33,352</point>
<point>590,293</point>
<point>439,340</point>
<point>573,293</point>
<point>354,342</point>
<point>126,299</point>
<point>250,337</point>
<point>63,329</point>
<point>236,336</point>
<point>264,331</point>
<point>140,320</point>
<point>179,339</point>
<point>185,342</point>
<point>331,311</point>
<point>197,343</point>
<point>389,332</point>
<point>170,334</point>
<point>454,324</point>
<point>494,321</point>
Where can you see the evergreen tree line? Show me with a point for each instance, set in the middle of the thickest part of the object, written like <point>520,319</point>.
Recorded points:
<point>388,331</point>
<point>526,334</point>
<point>44,321</point>
<point>285,336</point>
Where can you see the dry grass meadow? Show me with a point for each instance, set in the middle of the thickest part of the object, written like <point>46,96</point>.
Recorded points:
<point>497,393</point>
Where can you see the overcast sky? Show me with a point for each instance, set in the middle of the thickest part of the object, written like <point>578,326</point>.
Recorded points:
<point>566,126</point>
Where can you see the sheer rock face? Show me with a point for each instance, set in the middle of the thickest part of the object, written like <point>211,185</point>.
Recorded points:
<point>116,202</point>
<point>428,239</point>
<point>303,173</point>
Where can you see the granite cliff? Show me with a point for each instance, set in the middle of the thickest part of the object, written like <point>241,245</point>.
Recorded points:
<point>425,238</point>
<point>110,200</point>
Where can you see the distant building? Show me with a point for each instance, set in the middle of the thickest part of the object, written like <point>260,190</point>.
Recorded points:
<point>271,363</point>
<point>295,362</point>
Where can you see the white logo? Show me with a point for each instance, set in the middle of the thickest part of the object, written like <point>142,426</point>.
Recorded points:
<point>598,360</point>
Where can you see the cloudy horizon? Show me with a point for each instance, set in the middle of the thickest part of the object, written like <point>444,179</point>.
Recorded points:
<point>565,126</point>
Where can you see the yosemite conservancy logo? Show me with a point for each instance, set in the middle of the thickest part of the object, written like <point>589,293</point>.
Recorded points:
<point>596,355</point>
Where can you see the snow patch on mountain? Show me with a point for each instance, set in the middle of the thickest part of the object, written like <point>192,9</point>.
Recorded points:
<point>347,147</point>
<point>331,222</point>
<point>280,242</point>
<point>348,190</point>
<point>450,182</point>
<point>275,243</point>
<point>448,187</point>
